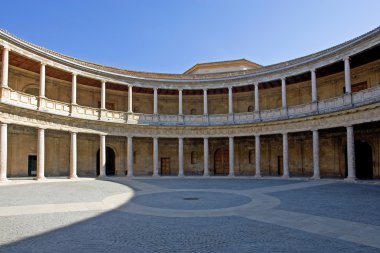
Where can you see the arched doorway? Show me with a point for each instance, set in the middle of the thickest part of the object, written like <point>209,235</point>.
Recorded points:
<point>363,160</point>
<point>110,162</point>
<point>221,162</point>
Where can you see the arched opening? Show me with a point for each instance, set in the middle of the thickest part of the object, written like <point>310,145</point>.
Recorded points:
<point>363,160</point>
<point>221,162</point>
<point>110,162</point>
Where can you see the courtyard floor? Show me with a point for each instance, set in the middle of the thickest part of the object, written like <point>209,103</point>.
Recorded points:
<point>189,215</point>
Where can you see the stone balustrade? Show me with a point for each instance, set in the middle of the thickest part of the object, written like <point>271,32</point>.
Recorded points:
<point>347,101</point>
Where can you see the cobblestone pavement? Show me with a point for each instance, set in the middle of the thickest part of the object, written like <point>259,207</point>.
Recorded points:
<point>189,215</point>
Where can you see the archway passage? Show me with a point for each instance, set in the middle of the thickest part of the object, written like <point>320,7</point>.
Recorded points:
<point>110,162</point>
<point>363,160</point>
<point>221,162</point>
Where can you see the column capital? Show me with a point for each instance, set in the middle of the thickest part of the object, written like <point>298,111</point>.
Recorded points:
<point>103,134</point>
<point>180,89</point>
<point>180,138</point>
<point>130,136</point>
<point>256,83</point>
<point>73,132</point>
<point>348,126</point>
<point>313,70</point>
<point>103,81</point>
<point>284,133</point>
<point>283,79</point>
<point>6,47</point>
<point>206,137</point>
<point>154,88</point>
<point>43,63</point>
<point>74,73</point>
<point>257,135</point>
<point>314,129</point>
<point>230,88</point>
<point>130,86</point>
<point>205,89</point>
<point>346,58</point>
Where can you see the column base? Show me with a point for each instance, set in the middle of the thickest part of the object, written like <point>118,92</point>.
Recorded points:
<point>101,177</point>
<point>206,175</point>
<point>315,177</point>
<point>285,177</point>
<point>130,176</point>
<point>73,177</point>
<point>155,175</point>
<point>3,180</point>
<point>39,178</point>
<point>231,175</point>
<point>350,179</point>
<point>258,176</point>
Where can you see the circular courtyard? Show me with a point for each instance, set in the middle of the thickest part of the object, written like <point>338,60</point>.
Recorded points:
<point>189,215</point>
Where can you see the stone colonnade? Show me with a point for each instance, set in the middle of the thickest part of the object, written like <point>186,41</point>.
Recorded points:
<point>102,172</point>
<point>42,88</point>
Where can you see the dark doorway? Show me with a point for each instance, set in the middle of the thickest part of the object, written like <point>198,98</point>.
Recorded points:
<point>32,165</point>
<point>363,160</point>
<point>280,165</point>
<point>221,162</point>
<point>110,162</point>
<point>165,166</point>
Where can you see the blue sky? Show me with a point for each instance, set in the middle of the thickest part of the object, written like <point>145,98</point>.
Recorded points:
<point>172,35</point>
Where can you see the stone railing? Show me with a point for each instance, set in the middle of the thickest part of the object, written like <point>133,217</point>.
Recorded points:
<point>344,102</point>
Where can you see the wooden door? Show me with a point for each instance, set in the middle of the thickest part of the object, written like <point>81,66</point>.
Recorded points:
<point>221,162</point>
<point>165,166</point>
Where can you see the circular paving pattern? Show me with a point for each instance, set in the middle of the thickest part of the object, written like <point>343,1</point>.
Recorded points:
<point>191,200</point>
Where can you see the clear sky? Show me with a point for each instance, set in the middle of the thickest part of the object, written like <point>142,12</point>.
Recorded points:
<point>172,35</point>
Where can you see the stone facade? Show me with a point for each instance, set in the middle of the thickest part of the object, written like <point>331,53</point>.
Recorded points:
<point>38,92</point>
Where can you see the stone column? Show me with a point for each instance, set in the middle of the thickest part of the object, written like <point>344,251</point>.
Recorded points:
<point>316,169</point>
<point>5,67</point>
<point>155,157</point>
<point>180,157</point>
<point>231,151</point>
<point>314,93</point>
<point>155,101</point>
<point>130,156</point>
<point>3,151</point>
<point>285,151</point>
<point>42,80</point>
<point>74,89</point>
<point>103,96</point>
<point>351,170</point>
<point>230,101</point>
<point>180,102</point>
<point>283,93</point>
<point>73,156</point>
<point>257,101</point>
<point>205,105</point>
<point>205,157</point>
<point>41,154</point>
<point>347,75</point>
<point>130,109</point>
<point>258,155</point>
<point>102,162</point>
